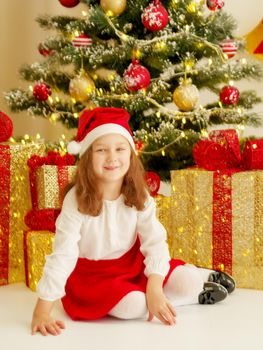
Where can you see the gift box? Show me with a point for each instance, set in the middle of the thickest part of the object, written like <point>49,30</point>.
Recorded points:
<point>14,204</point>
<point>37,244</point>
<point>51,182</point>
<point>217,215</point>
<point>49,176</point>
<point>163,213</point>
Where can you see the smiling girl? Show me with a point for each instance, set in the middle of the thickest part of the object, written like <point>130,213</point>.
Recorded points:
<point>110,255</point>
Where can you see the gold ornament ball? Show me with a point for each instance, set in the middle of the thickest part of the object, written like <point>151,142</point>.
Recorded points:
<point>81,87</point>
<point>186,96</point>
<point>113,7</point>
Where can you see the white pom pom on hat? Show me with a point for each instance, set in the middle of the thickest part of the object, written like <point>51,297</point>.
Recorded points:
<point>98,122</point>
<point>74,147</point>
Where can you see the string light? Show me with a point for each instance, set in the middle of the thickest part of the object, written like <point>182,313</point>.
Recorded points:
<point>173,3</point>
<point>50,99</point>
<point>136,53</point>
<point>53,118</point>
<point>124,37</point>
<point>160,46</point>
<point>192,7</point>
<point>204,133</point>
<point>199,45</point>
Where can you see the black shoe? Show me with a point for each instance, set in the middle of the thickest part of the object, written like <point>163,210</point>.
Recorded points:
<point>224,279</point>
<point>212,293</point>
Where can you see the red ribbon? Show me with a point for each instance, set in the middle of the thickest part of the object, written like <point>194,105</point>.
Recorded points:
<point>222,221</point>
<point>4,212</point>
<point>221,154</point>
<point>44,219</point>
<point>62,182</point>
<point>26,257</point>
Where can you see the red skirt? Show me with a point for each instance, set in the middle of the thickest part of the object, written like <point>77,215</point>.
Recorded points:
<point>96,286</point>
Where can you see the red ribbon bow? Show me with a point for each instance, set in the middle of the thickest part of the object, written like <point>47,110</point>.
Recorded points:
<point>52,158</point>
<point>222,151</point>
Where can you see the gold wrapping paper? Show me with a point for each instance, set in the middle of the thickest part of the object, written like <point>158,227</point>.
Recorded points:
<point>190,235</point>
<point>49,192</point>
<point>38,244</point>
<point>163,210</point>
<point>20,204</point>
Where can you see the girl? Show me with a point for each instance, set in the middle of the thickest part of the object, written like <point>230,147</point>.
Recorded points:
<point>110,255</point>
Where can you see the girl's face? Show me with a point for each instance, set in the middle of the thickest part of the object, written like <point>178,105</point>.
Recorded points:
<point>111,157</point>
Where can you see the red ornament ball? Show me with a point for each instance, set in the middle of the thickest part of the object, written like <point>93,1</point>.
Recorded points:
<point>153,182</point>
<point>155,17</point>
<point>136,77</point>
<point>6,127</point>
<point>81,41</point>
<point>44,51</point>
<point>69,3</point>
<point>41,91</point>
<point>229,47</point>
<point>229,95</point>
<point>139,145</point>
<point>215,4</point>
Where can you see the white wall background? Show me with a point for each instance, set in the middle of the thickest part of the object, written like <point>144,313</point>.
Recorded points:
<point>20,36</point>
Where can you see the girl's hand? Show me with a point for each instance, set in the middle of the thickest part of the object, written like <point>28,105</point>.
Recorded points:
<point>160,307</point>
<point>45,324</point>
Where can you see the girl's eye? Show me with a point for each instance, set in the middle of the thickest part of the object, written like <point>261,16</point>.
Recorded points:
<point>120,149</point>
<point>100,150</point>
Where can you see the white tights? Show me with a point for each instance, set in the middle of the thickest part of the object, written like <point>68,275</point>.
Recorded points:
<point>182,288</point>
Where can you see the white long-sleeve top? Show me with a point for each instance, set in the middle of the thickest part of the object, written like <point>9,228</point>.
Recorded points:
<point>106,236</point>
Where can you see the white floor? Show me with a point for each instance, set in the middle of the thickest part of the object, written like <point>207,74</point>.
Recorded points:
<point>234,324</point>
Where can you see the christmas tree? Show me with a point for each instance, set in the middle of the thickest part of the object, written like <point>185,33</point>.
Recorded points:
<point>150,57</point>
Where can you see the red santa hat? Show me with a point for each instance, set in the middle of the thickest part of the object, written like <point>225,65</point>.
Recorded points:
<point>98,122</point>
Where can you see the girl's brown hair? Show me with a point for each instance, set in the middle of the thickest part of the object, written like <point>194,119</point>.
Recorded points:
<point>89,199</point>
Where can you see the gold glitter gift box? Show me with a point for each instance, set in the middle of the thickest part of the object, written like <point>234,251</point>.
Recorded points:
<point>163,204</point>
<point>224,233</point>
<point>51,181</point>
<point>37,244</point>
<point>14,204</point>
